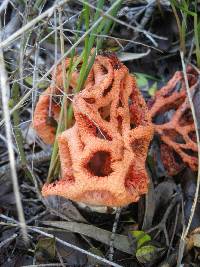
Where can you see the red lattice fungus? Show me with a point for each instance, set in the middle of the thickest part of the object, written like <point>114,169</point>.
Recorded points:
<point>103,155</point>
<point>177,131</point>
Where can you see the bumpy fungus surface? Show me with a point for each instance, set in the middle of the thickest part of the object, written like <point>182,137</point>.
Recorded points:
<point>103,155</point>
<point>176,130</point>
<point>46,115</point>
<point>47,110</point>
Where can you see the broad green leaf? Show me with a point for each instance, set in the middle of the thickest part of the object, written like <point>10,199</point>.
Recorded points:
<point>92,261</point>
<point>41,85</point>
<point>141,237</point>
<point>141,80</point>
<point>126,56</point>
<point>149,77</point>
<point>146,253</point>
<point>46,246</point>
<point>152,90</point>
<point>121,242</point>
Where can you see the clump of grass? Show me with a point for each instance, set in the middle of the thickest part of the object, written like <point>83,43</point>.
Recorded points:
<point>92,41</point>
<point>183,10</point>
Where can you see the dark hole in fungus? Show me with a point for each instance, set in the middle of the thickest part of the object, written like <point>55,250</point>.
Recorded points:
<point>114,60</point>
<point>176,88</point>
<point>89,100</point>
<point>56,99</point>
<point>119,119</point>
<point>78,67</point>
<point>175,136</point>
<point>88,124</point>
<point>192,136</point>
<point>104,70</point>
<point>120,104</point>
<point>190,152</point>
<point>51,121</point>
<point>132,125</point>
<point>100,164</point>
<point>130,101</point>
<point>107,90</point>
<point>117,66</point>
<point>105,112</point>
<point>138,147</point>
<point>107,118</point>
<point>186,118</point>
<point>163,117</point>
<point>177,158</point>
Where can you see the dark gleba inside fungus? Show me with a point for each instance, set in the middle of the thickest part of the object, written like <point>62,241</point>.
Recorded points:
<point>103,155</point>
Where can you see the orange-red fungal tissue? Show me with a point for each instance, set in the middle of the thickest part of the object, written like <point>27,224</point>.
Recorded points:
<point>177,131</point>
<point>103,155</point>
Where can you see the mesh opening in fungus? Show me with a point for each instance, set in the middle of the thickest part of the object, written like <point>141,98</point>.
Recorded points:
<point>100,164</point>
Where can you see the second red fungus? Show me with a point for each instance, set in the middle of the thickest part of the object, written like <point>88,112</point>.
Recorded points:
<point>177,129</point>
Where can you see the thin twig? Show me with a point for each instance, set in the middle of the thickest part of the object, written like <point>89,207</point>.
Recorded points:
<point>186,230</point>
<point>174,230</point>
<point>37,230</point>
<point>3,138</point>
<point>161,226</point>
<point>3,6</point>
<point>60,258</point>
<point>112,238</point>
<point>8,240</point>
<point>29,25</point>
<point>5,91</point>
<point>34,229</point>
<point>37,158</point>
<point>46,265</point>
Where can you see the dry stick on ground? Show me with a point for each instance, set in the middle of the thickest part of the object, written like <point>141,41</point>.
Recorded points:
<point>112,238</point>
<point>60,258</point>
<point>37,230</point>
<point>8,240</point>
<point>37,158</point>
<point>23,45</point>
<point>149,204</point>
<point>149,10</point>
<point>103,260</point>
<point>162,225</point>
<point>5,91</point>
<point>174,230</point>
<point>3,138</point>
<point>47,265</point>
<point>186,230</point>
<point>3,6</point>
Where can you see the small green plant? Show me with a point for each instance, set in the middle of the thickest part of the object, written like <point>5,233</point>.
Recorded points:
<point>183,10</point>
<point>145,251</point>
